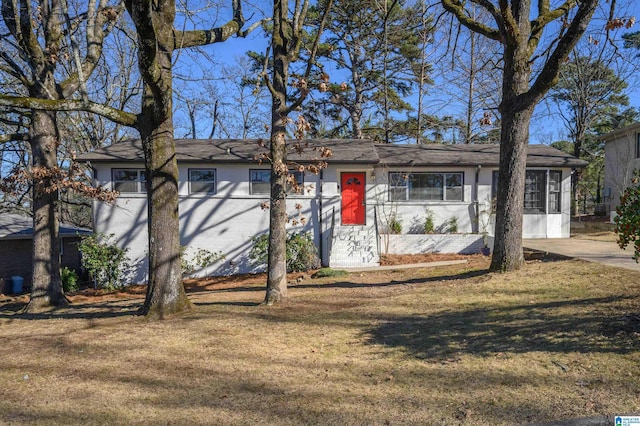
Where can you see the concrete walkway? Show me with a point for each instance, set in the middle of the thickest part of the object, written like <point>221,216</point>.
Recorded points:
<point>605,252</point>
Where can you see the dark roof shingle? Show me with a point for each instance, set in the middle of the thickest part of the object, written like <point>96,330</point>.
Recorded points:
<point>353,151</point>
<point>469,155</point>
<point>240,151</point>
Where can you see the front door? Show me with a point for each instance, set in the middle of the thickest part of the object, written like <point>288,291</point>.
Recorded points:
<point>353,191</point>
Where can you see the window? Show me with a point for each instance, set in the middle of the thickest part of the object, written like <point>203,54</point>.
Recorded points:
<point>202,181</point>
<point>128,180</point>
<point>260,181</point>
<point>425,186</point>
<point>555,183</point>
<point>534,191</point>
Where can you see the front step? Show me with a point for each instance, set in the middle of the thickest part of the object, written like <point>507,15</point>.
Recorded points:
<point>354,247</point>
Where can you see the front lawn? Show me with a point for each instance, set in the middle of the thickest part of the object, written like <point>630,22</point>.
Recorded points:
<point>448,345</point>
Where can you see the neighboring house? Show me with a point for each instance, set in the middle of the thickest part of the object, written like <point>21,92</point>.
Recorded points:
<point>621,160</point>
<point>346,206</point>
<point>16,248</point>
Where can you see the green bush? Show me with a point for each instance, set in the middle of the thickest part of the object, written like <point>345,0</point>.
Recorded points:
<point>429,227</point>
<point>69,280</point>
<point>628,220</point>
<point>395,226</point>
<point>302,254</point>
<point>104,261</point>
<point>201,259</point>
<point>452,227</point>
<point>330,273</point>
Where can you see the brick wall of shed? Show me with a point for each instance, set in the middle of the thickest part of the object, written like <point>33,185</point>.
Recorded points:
<point>15,259</point>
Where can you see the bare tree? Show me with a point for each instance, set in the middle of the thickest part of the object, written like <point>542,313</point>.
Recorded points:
<point>37,40</point>
<point>157,39</point>
<point>286,42</point>
<point>520,36</point>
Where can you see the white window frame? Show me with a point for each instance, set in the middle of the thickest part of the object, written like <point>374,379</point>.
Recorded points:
<point>140,181</point>
<point>555,188</point>
<point>214,181</point>
<point>299,177</point>
<point>528,201</point>
<point>399,181</point>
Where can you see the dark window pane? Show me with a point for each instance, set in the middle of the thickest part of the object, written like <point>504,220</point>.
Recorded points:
<point>454,186</point>
<point>125,186</point>
<point>202,180</point>
<point>534,191</point>
<point>128,180</point>
<point>555,181</point>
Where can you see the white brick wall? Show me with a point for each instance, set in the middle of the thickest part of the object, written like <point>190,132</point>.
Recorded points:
<point>432,243</point>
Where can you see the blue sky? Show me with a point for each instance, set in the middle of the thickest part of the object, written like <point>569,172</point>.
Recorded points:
<point>544,128</point>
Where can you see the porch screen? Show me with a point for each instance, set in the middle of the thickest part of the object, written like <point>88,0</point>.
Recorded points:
<point>536,191</point>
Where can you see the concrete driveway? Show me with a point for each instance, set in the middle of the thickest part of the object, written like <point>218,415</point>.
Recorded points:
<point>593,251</point>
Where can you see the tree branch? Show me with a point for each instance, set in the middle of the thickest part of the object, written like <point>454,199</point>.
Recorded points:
<point>118,116</point>
<point>20,26</point>
<point>15,69</point>
<point>141,15</point>
<point>312,56</point>
<point>457,9</point>
<point>549,74</point>
<point>551,15</point>
<point>14,137</point>
<point>96,33</point>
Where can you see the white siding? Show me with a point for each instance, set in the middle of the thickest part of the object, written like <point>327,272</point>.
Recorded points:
<point>228,220</point>
<point>620,164</point>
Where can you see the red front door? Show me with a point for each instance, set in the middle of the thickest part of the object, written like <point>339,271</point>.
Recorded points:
<point>353,188</point>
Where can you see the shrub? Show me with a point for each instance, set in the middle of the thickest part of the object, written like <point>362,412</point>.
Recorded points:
<point>628,220</point>
<point>302,254</point>
<point>429,226</point>
<point>69,280</point>
<point>453,225</point>
<point>104,261</point>
<point>201,259</point>
<point>395,226</point>
<point>330,273</point>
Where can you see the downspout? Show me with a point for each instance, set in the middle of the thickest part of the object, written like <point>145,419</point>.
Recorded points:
<point>476,201</point>
<point>321,236</point>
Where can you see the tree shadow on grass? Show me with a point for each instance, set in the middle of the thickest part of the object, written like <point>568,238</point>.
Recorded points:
<point>391,283</point>
<point>561,327</point>
<point>107,309</point>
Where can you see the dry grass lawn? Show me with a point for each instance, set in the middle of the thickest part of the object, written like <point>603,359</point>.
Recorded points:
<point>450,345</point>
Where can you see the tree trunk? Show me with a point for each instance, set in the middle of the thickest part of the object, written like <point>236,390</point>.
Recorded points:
<point>507,251</point>
<point>165,290</point>
<point>575,176</point>
<point>46,288</point>
<point>277,261</point>
<point>514,139</point>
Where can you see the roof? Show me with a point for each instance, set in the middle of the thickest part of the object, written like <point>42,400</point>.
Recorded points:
<point>18,227</point>
<point>240,151</point>
<point>623,131</point>
<point>352,151</point>
<point>470,155</point>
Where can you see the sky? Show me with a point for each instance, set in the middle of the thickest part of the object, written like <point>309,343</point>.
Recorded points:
<point>545,128</point>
